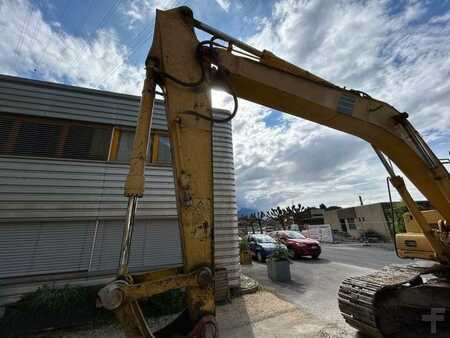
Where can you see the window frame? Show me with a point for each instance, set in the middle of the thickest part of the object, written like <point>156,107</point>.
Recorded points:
<point>65,125</point>
<point>152,148</point>
<point>351,224</point>
<point>114,133</point>
<point>115,143</point>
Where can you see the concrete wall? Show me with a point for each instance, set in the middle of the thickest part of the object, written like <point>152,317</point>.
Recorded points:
<point>368,217</point>
<point>331,217</point>
<point>372,218</point>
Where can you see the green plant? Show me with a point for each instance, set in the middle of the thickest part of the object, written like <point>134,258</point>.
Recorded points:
<point>165,303</point>
<point>57,299</point>
<point>399,211</point>
<point>48,308</point>
<point>279,254</point>
<point>243,245</point>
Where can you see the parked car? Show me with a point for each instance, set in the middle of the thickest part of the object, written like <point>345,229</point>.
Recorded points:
<point>297,244</point>
<point>262,246</point>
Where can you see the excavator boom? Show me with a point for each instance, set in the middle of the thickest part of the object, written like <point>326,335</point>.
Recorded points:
<point>261,77</point>
<point>187,69</point>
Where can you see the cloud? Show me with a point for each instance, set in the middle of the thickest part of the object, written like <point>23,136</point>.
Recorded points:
<point>402,59</point>
<point>441,18</point>
<point>46,51</point>
<point>139,11</point>
<point>399,55</point>
<point>224,4</point>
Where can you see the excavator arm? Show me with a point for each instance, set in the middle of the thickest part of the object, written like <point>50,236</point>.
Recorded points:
<point>187,69</point>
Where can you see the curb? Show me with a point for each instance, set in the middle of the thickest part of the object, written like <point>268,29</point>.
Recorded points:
<point>252,286</point>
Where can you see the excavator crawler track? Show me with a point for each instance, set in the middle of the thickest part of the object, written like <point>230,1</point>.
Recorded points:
<point>358,295</point>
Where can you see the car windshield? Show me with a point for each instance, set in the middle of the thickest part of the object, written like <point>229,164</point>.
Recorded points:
<point>294,235</point>
<point>264,239</point>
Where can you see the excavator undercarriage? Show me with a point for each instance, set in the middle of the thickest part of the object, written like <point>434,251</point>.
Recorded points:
<point>395,301</point>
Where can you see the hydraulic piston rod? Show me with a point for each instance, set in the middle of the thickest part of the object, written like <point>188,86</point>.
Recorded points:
<point>134,186</point>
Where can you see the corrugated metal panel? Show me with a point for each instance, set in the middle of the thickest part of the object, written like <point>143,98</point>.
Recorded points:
<point>40,190</point>
<point>45,247</point>
<point>49,189</point>
<point>37,98</point>
<point>156,244</point>
<point>225,210</point>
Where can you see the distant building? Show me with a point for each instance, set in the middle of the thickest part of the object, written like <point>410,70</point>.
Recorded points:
<point>375,217</point>
<point>357,220</point>
<point>311,216</point>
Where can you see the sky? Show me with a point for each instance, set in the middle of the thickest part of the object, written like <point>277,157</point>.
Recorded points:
<point>398,51</point>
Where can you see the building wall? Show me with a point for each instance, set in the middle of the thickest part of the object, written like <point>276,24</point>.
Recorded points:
<point>64,217</point>
<point>331,217</point>
<point>370,217</point>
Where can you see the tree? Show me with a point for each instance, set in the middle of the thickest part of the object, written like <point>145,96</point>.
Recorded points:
<point>282,215</point>
<point>244,222</point>
<point>278,215</point>
<point>297,213</point>
<point>258,217</point>
<point>322,206</point>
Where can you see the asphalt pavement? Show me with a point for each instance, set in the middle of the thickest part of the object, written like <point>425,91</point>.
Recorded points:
<point>315,283</point>
<point>361,255</point>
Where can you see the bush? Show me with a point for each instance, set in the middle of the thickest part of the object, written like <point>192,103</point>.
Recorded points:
<point>166,303</point>
<point>57,300</point>
<point>243,245</point>
<point>69,306</point>
<point>48,308</point>
<point>279,254</point>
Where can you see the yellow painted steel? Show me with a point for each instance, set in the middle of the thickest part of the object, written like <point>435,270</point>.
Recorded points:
<point>146,289</point>
<point>176,62</point>
<point>114,146</point>
<point>191,144</point>
<point>134,185</point>
<point>413,243</point>
<point>438,247</point>
<point>370,119</point>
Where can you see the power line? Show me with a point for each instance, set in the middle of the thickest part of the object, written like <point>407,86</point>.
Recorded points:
<point>82,31</point>
<point>32,34</point>
<point>33,30</point>
<point>117,67</point>
<point>22,34</point>
<point>108,14</point>
<point>63,17</point>
<point>133,50</point>
<point>47,43</point>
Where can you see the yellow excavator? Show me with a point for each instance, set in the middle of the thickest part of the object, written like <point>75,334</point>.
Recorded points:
<point>379,304</point>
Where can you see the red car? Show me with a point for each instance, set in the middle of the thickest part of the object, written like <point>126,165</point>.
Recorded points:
<point>297,244</point>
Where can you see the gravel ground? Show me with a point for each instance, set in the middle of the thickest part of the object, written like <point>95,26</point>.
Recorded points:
<point>107,330</point>
<point>263,314</point>
<point>260,314</point>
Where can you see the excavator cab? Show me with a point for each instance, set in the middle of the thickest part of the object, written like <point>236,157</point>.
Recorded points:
<point>413,243</point>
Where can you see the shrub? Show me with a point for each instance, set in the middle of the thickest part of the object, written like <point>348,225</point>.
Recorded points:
<point>243,245</point>
<point>69,306</point>
<point>166,303</point>
<point>48,308</point>
<point>57,300</point>
<point>279,254</point>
